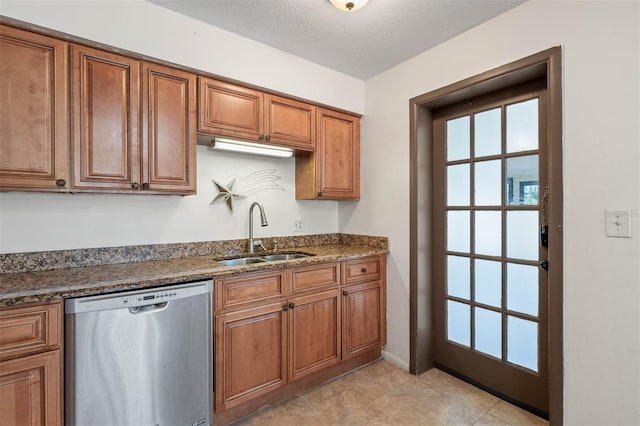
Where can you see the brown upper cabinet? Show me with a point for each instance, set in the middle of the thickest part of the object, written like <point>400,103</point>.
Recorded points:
<point>111,149</point>
<point>133,123</point>
<point>332,172</point>
<point>230,110</point>
<point>33,112</point>
<point>81,119</point>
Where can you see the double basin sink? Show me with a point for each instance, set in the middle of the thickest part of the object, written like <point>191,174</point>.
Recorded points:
<point>264,258</point>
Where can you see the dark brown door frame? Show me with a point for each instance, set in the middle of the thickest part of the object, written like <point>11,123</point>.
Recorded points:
<point>546,64</point>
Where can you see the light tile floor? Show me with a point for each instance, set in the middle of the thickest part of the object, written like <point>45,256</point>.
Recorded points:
<point>382,394</point>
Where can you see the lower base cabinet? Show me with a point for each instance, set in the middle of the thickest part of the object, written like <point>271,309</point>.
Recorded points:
<point>314,333</point>
<point>261,349</point>
<point>30,390</point>
<point>31,365</point>
<point>329,318</point>
<point>250,356</point>
<point>363,318</point>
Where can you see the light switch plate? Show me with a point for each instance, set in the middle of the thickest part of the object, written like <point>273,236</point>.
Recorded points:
<point>618,223</point>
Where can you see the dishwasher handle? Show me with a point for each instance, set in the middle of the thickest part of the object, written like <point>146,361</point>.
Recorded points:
<point>148,309</point>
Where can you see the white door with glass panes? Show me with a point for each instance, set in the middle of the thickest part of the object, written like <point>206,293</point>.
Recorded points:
<point>490,178</point>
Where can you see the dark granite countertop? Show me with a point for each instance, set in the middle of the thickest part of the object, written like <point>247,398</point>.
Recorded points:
<point>41,286</point>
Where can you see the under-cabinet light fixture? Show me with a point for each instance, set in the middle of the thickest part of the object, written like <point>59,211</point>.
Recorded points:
<point>348,5</point>
<point>250,148</point>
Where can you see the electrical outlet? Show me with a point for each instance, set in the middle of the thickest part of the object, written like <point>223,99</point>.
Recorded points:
<point>297,225</point>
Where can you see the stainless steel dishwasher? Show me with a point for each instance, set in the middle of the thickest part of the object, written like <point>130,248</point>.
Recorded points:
<point>140,358</point>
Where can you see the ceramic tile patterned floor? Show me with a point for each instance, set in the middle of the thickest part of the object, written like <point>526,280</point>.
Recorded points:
<point>382,394</point>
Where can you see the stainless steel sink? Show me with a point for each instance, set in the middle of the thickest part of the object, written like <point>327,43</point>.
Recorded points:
<point>264,258</point>
<point>241,261</point>
<point>285,256</point>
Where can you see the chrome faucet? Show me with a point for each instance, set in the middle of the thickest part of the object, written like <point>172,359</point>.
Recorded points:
<point>263,222</point>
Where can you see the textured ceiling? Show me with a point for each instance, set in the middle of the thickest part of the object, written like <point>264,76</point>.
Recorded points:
<point>362,44</point>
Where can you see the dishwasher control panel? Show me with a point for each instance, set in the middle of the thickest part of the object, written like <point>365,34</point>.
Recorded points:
<point>155,297</point>
<point>137,298</point>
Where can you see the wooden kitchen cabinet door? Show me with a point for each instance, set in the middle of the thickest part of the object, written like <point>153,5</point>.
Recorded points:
<point>333,171</point>
<point>251,356</point>
<point>105,120</point>
<point>314,333</point>
<point>33,111</point>
<point>290,123</point>
<point>226,109</point>
<point>168,129</point>
<point>30,391</point>
<point>364,318</point>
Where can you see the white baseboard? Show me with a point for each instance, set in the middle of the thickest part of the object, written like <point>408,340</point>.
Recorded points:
<point>395,360</point>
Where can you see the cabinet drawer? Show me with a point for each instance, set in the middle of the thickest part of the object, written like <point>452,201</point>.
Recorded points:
<point>249,289</point>
<point>359,270</point>
<point>314,277</point>
<point>30,330</point>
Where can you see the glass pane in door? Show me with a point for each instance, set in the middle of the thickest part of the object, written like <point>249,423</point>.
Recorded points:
<point>521,183</point>
<point>458,283</point>
<point>488,132</point>
<point>458,185</point>
<point>522,288</point>
<point>488,332</point>
<point>458,320</point>
<point>522,126</point>
<point>458,139</point>
<point>458,231</point>
<point>488,235</point>
<point>488,282</point>
<point>522,234</point>
<point>488,183</point>
<point>522,342</point>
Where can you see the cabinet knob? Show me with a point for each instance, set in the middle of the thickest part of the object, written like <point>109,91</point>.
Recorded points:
<point>363,270</point>
<point>345,293</point>
<point>285,307</point>
<point>267,138</point>
<point>135,185</point>
<point>261,137</point>
<point>145,186</point>
<point>292,305</point>
<point>60,182</point>
<point>319,193</point>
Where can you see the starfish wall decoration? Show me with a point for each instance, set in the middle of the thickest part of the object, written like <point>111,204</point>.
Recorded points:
<point>241,187</point>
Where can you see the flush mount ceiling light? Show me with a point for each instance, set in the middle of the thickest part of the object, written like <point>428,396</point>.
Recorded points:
<point>250,148</point>
<point>348,5</point>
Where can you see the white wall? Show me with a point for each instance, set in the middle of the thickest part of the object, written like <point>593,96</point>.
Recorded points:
<point>601,56</point>
<point>41,221</point>
<point>38,221</point>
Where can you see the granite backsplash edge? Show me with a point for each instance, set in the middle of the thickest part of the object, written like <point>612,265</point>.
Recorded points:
<point>77,258</point>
